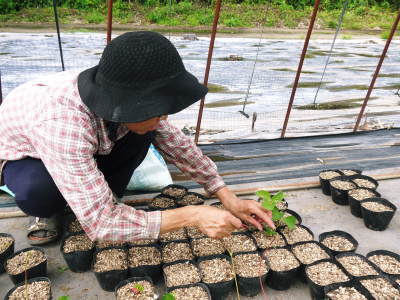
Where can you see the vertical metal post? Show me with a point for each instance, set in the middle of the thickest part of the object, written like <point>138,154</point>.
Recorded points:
<point>58,33</point>
<point>109,20</point>
<point>1,90</point>
<point>303,55</point>
<point>207,72</point>
<point>378,69</point>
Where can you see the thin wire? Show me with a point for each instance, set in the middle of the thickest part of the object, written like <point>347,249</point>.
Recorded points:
<point>333,44</point>
<point>58,34</point>
<point>252,72</point>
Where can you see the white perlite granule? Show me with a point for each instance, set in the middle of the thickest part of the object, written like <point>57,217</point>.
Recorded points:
<point>79,242</point>
<point>38,290</point>
<point>281,259</point>
<point>175,235</point>
<point>216,270</point>
<point>381,289</point>
<point>356,266</point>
<point>375,206</point>
<point>326,273</point>
<point>345,293</point>
<point>309,253</point>
<point>361,194</point>
<point>349,172</point>
<point>328,175</point>
<point>386,263</point>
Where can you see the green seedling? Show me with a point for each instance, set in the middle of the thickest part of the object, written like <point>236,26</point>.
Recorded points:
<point>62,269</point>
<point>168,296</point>
<point>234,275</point>
<point>270,202</point>
<point>64,298</point>
<point>137,289</point>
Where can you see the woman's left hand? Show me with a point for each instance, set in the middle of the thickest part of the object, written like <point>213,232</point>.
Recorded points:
<point>249,211</point>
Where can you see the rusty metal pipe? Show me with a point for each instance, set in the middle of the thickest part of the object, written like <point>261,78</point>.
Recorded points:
<point>300,67</point>
<point>208,67</point>
<point>109,20</point>
<point>378,69</point>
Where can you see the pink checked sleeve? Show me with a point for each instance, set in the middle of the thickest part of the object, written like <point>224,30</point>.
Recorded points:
<point>66,146</point>
<point>182,151</point>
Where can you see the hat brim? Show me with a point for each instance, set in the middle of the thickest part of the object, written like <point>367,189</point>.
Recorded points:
<point>130,106</point>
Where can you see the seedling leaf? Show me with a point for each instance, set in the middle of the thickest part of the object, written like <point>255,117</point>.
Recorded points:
<point>290,222</point>
<point>168,296</point>
<point>276,214</point>
<point>268,204</point>
<point>64,298</point>
<point>62,269</point>
<point>264,194</point>
<point>278,197</point>
<point>269,231</point>
<point>139,287</point>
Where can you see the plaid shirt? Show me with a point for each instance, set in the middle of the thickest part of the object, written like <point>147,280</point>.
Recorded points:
<point>46,119</point>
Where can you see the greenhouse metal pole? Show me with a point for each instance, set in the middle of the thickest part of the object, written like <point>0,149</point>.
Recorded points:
<point>303,55</point>
<point>109,20</point>
<point>208,66</point>
<point>378,69</point>
<point>58,34</point>
<point>1,91</point>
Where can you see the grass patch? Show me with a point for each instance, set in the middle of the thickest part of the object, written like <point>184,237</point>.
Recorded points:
<point>394,75</point>
<point>329,106</point>
<point>347,37</point>
<point>292,70</point>
<point>312,84</point>
<point>227,103</point>
<point>341,88</point>
<point>216,88</point>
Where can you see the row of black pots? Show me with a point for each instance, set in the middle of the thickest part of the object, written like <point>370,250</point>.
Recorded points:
<point>177,202</point>
<point>23,283</point>
<point>39,270</point>
<point>325,185</point>
<point>7,252</point>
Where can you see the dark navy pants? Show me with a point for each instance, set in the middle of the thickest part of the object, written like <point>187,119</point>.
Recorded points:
<point>36,193</point>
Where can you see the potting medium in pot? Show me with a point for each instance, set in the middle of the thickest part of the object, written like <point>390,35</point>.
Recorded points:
<point>340,186</point>
<point>357,265</point>
<point>110,266</point>
<point>249,268</point>
<point>239,243</point>
<point>387,261</point>
<point>27,263</point>
<point>324,177</point>
<point>299,234</point>
<point>338,241</point>
<point>351,290</point>
<point>136,288</point>
<point>174,190</point>
<point>162,202</point>
<point>174,251</point>
<point>355,196</point>
<point>143,242</point>
<point>176,235</point>
<point>145,261</point>
<point>283,268</point>
<point>38,288</point>
<point>207,246</point>
<point>72,225</point>
<point>191,198</point>
<point>77,250</point>
<point>377,213</point>
<point>194,233</point>
<point>180,273</point>
<point>364,181</point>
<point>217,273</point>
<point>308,253</point>
<point>350,172</point>
<point>198,291</point>
<point>107,244</point>
<point>264,241</point>
<point>323,273</point>
<point>7,243</point>
<point>381,287</point>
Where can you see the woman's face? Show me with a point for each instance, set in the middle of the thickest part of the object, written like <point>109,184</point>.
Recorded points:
<point>145,126</point>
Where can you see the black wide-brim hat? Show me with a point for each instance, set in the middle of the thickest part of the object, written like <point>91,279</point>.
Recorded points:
<point>140,76</point>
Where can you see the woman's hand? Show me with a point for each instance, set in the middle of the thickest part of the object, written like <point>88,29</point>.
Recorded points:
<point>249,211</point>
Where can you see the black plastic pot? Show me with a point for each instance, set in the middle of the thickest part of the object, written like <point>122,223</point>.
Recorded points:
<point>391,282</point>
<point>301,273</point>
<point>262,247</point>
<point>152,271</point>
<point>354,170</point>
<point>296,215</point>
<point>281,280</point>
<point>134,279</point>
<point>77,261</point>
<point>163,245</point>
<point>6,253</point>
<point>202,285</point>
<point>340,196</point>
<point>281,229</point>
<point>153,207</point>
<point>377,221</point>
<point>180,262</point>
<point>39,270</point>
<point>250,286</point>
<point>387,253</point>
<point>317,291</point>
<point>200,196</point>
<point>353,283</point>
<point>373,266</point>
<point>177,186</point>
<point>325,186</point>
<point>67,220</point>
<point>366,178</point>
<point>219,290</point>
<point>108,280</point>
<point>355,207</point>
<point>36,279</point>
<point>218,203</point>
<point>344,234</point>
